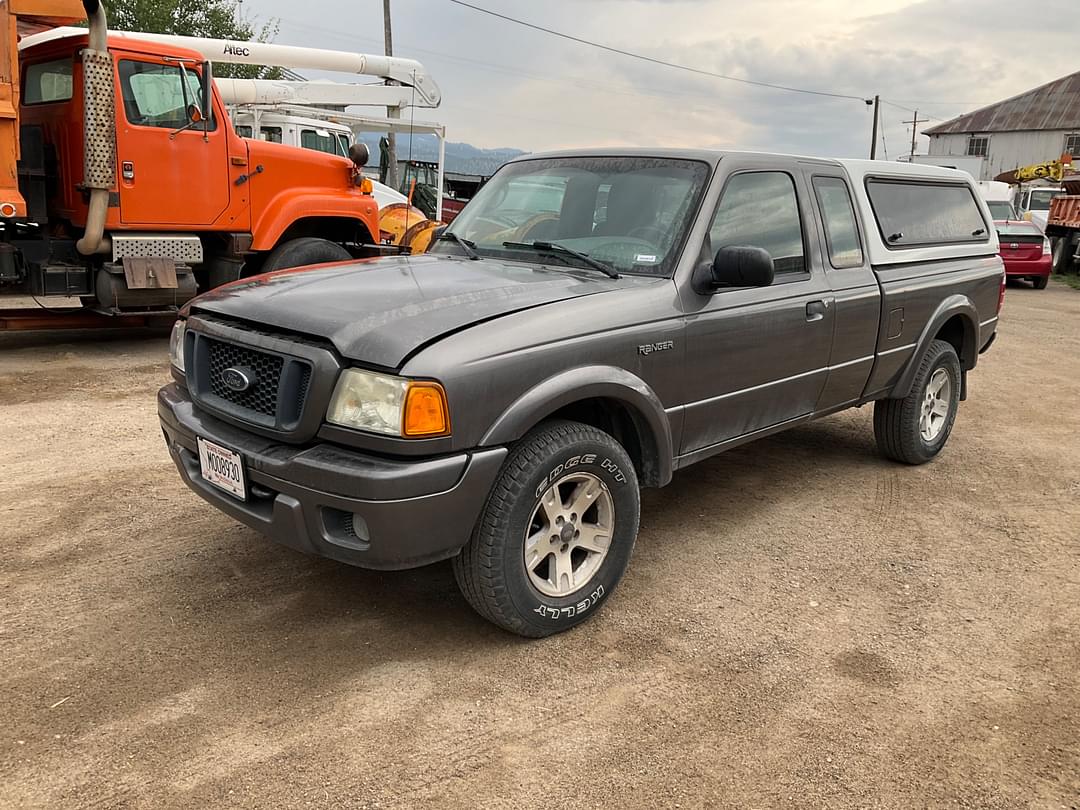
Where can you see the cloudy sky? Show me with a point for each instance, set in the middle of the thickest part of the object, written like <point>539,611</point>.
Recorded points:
<point>505,85</point>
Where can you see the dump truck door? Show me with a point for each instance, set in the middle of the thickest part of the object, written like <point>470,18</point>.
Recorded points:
<point>167,175</point>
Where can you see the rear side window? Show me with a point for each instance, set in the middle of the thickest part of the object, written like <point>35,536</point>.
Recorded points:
<point>914,214</point>
<point>838,214</point>
<point>47,82</point>
<point>760,209</point>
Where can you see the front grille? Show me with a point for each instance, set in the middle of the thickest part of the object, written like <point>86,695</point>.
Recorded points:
<point>265,371</point>
<point>278,382</point>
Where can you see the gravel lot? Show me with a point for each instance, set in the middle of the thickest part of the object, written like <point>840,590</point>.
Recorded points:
<point>803,624</point>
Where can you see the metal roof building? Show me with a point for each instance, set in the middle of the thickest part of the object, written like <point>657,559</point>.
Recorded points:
<point>1031,127</point>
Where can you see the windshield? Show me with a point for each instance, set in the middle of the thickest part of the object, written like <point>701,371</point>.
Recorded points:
<point>322,140</point>
<point>1040,199</point>
<point>630,213</point>
<point>999,209</point>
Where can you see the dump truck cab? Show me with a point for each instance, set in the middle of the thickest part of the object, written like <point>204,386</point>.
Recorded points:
<point>187,187</point>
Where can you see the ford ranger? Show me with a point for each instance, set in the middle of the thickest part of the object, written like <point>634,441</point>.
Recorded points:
<point>591,323</point>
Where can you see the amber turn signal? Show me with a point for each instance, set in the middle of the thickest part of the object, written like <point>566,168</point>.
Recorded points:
<point>366,186</point>
<point>426,413</point>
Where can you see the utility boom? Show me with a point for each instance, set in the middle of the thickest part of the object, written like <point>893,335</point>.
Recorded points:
<point>274,91</point>
<point>407,72</point>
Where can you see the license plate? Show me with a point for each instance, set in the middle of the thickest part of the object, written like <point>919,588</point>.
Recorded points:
<point>222,467</point>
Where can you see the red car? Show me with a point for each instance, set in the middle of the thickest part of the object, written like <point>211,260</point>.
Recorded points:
<point>1025,251</point>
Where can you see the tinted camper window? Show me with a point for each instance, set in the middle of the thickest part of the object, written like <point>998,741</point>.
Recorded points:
<point>911,213</point>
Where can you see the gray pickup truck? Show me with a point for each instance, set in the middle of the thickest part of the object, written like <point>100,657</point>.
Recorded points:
<point>589,324</point>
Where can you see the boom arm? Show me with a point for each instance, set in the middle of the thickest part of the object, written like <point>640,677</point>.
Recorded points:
<point>273,91</point>
<point>407,72</point>
<point>1050,170</point>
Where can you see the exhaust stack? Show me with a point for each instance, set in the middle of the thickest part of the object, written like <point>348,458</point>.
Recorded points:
<point>99,131</point>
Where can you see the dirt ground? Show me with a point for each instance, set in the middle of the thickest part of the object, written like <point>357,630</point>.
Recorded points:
<point>803,623</point>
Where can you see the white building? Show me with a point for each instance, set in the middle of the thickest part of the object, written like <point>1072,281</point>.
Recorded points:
<point>1032,127</point>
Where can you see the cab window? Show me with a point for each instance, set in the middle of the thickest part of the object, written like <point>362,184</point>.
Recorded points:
<point>760,209</point>
<point>155,95</point>
<point>838,215</point>
<point>47,82</point>
<point>243,130</point>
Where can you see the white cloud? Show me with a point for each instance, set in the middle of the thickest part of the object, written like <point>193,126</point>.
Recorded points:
<point>504,85</point>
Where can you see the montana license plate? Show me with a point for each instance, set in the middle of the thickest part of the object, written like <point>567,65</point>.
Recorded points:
<point>222,467</point>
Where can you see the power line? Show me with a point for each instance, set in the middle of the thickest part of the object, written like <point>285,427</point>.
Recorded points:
<point>676,66</point>
<point>653,60</point>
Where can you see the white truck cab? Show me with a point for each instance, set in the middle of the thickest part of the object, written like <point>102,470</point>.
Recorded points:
<point>1033,202</point>
<point>999,199</point>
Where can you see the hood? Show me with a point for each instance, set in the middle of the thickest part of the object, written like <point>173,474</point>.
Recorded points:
<point>380,311</point>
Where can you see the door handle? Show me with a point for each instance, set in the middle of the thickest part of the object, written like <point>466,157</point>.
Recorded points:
<point>815,311</point>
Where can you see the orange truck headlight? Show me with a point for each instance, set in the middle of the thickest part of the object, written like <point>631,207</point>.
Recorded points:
<point>393,406</point>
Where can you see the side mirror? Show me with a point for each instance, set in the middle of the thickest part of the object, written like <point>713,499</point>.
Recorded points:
<point>359,154</point>
<point>738,266</point>
<point>206,93</point>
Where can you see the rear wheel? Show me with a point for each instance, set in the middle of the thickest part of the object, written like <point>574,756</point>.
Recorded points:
<point>914,429</point>
<point>304,251</point>
<point>556,534</point>
<point>1040,282</point>
<point>1062,254</point>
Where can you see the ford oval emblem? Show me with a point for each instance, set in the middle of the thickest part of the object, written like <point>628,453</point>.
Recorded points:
<point>238,379</point>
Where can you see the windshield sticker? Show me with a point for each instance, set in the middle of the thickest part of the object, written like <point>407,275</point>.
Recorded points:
<point>645,257</point>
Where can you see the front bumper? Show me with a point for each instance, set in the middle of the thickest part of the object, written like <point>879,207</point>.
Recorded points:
<point>338,503</point>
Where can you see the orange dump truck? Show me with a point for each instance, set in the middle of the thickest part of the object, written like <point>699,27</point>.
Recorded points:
<point>1063,225</point>
<point>132,190</point>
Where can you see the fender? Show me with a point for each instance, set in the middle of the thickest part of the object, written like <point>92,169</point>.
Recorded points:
<point>591,382</point>
<point>953,305</point>
<point>286,208</point>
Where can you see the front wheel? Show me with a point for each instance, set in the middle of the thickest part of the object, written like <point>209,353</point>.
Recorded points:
<point>303,251</point>
<point>914,429</point>
<point>556,534</point>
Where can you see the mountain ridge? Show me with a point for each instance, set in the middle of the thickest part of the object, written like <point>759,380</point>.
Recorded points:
<point>460,157</point>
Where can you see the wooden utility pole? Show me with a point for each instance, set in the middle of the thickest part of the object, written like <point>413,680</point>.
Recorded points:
<point>873,133</point>
<point>391,112</point>
<point>915,121</point>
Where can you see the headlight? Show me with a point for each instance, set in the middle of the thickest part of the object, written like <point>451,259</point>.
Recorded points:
<point>176,345</point>
<point>393,406</point>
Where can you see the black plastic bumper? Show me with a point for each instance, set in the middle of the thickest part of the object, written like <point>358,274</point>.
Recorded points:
<point>326,500</point>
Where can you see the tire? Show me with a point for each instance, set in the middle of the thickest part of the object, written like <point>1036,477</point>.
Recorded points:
<point>898,423</point>
<point>506,586</point>
<point>302,252</point>
<point>1040,282</point>
<point>1062,254</point>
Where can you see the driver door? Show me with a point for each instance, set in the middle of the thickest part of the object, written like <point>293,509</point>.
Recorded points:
<point>167,178</point>
<point>758,356</point>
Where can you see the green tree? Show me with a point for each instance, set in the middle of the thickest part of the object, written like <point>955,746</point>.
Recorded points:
<point>217,19</point>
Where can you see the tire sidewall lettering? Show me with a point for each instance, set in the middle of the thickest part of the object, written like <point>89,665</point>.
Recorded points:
<point>612,471</point>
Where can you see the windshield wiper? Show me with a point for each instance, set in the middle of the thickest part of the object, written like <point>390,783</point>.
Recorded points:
<point>467,245</point>
<point>556,248</point>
